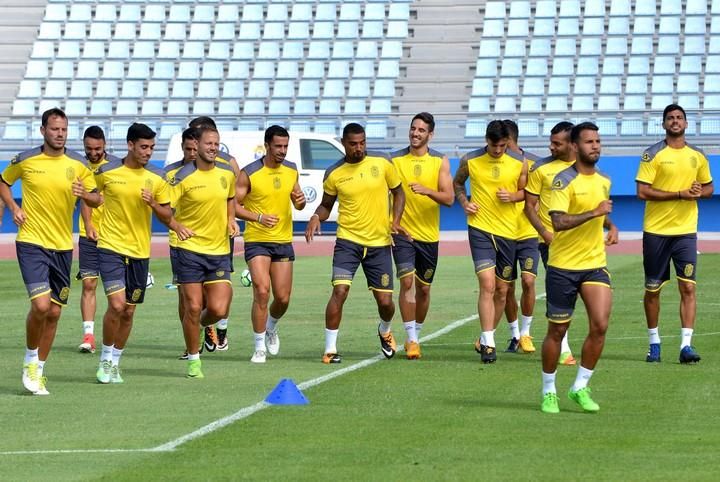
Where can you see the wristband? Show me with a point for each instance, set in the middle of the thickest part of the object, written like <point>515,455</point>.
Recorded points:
<point>315,214</point>
<point>259,219</point>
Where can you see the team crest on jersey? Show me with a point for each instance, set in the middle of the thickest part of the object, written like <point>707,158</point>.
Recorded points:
<point>276,183</point>
<point>693,162</point>
<point>64,293</point>
<point>223,183</point>
<point>148,184</point>
<point>506,272</point>
<point>688,270</point>
<point>136,294</point>
<point>495,172</point>
<point>385,280</point>
<point>374,171</point>
<point>528,265</point>
<point>417,170</point>
<point>428,273</point>
<point>70,173</point>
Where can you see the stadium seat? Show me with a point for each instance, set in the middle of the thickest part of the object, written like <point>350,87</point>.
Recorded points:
<point>531,104</point>
<point>179,13</point>
<point>372,30</point>
<point>157,89</point>
<point>105,13</point>
<point>545,9</point>
<point>23,107</point>
<point>519,9</point>
<point>638,65</point>
<point>49,31</point>
<point>690,64</point>
<point>664,64</point>
<point>101,108</point>
<point>631,127</point>
<point>662,84</point>
<point>587,66</point>
<point>366,49</point>
<point>533,86</point>
<point>183,89</point>
<point>539,47</point>
<point>126,107</point>
<point>608,103</point>
<point>200,31</point>
<point>710,126</point>
<point>168,50</point>
<point>584,86</point>
<point>505,104</point>
<point>178,107</point>
<point>642,46</point>
<point>515,48</point>
<point>93,49</point>
<point>568,27</point>
<point>138,69</point>
<point>634,102</point>
<point>618,26</point>
<point>582,103</point>
<point>163,70</point>
<point>154,13</point>
<point>380,106</point>
<point>694,44</point>
<point>570,8</point>
<point>254,107</point>
<point>689,101</point>
<point>273,31</point>
<point>144,49</point>
<point>343,50</point>
<point>68,49</point>
<point>590,46</point>
<point>493,28</point>
<point>212,70</point>
<point>218,51</point>
<point>100,31</point>
<point>334,88</point>
<point>106,89</point>
<point>87,69</point>
<point>399,11</point>
<point>15,130</point>
<point>391,50</point>
<point>126,31</point>
<point>347,30</point>
<point>365,69</point>
<point>152,107</point>
<point>613,66</point>
<point>258,89</point>
<point>618,45</point>
<point>132,89</point>
<point>283,89</point>
<point>208,89</point>
<point>644,26</point>
<point>669,45</point>
<point>556,103</point>
<point>563,66</point>
<point>610,85</point>
<point>537,67</point>
<point>636,84</point>
<point>479,104</point>
<point>338,69</point>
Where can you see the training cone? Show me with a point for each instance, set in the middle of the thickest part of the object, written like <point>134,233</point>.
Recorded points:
<point>286,393</point>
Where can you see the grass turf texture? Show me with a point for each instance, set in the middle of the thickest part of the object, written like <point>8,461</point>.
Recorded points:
<point>444,417</point>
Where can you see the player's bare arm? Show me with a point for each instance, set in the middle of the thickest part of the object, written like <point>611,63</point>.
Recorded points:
<point>518,195</point>
<point>86,215</point>
<point>565,221</point>
<point>531,212</point>
<point>444,194</point>
<point>613,235</point>
<point>462,175</point>
<point>233,228</point>
<point>91,198</point>
<point>706,190</point>
<point>321,214</point>
<point>397,210</point>
<point>648,193</point>
<point>298,197</point>
<point>19,216</point>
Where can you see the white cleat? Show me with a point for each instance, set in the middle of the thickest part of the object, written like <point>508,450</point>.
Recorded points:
<point>42,390</point>
<point>272,340</point>
<point>258,356</point>
<point>30,377</point>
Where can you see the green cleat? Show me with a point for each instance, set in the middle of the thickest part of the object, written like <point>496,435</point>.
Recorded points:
<point>582,398</point>
<point>195,369</point>
<point>550,403</point>
<point>104,372</point>
<point>115,376</point>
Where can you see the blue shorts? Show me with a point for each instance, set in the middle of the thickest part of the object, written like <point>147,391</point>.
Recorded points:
<point>191,267</point>
<point>277,252</point>
<point>376,263</point>
<point>544,250</point>
<point>657,253</point>
<point>562,287</point>
<point>45,271</point>
<point>490,251</point>
<point>89,259</point>
<point>122,273</point>
<point>416,257</point>
<point>232,255</point>
<point>527,255</point>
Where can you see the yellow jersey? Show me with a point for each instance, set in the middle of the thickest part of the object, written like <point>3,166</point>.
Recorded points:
<point>540,179</point>
<point>421,217</point>
<point>672,170</point>
<point>199,200</point>
<point>269,193</point>
<point>361,190</point>
<point>170,170</point>
<point>125,228</point>
<point>582,247</point>
<point>525,230</point>
<point>96,216</point>
<point>487,175</point>
<point>47,197</point>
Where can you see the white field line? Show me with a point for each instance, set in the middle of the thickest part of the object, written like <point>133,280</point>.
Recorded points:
<point>243,412</point>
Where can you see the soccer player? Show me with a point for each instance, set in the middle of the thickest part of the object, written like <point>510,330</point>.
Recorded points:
<point>89,224</point>
<point>579,208</point>
<point>526,256</point>
<point>132,191</point>
<point>492,213</point>
<point>52,178</point>
<point>427,183</point>
<point>267,191</point>
<point>672,176</point>
<point>360,182</point>
<point>537,200</point>
<point>202,195</point>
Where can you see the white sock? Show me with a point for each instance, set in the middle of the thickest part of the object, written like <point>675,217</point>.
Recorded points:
<point>116,354</point>
<point>106,353</point>
<point>525,322</point>
<point>565,346</point>
<point>489,337</point>
<point>41,367</point>
<point>331,340</point>
<point>31,356</point>
<point>193,356</point>
<point>271,322</point>
<point>222,324</point>
<point>384,326</point>
<point>514,331</point>
<point>88,327</point>
<point>259,341</point>
<point>418,327</point>
<point>410,330</point>
<point>654,335</point>
<point>582,378</point>
<point>548,380</point>
<point>685,337</point>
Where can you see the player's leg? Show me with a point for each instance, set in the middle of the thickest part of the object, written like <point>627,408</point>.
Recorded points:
<point>403,253</point>
<point>529,259</point>
<point>684,256</point>
<point>482,250</point>
<point>656,266</point>
<point>511,315</point>
<point>88,273</point>
<point>222,325</point>
<point>346,259</point>
<point>505,273</point>
<point>259,266</point>
<point>426,260</point>
<point>281,274</point>
<point>192,295</point>
<point>377,266</point>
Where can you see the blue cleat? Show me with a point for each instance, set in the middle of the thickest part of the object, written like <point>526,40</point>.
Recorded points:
<point>653,354</point>
<point>689,355</point>
<point>512,346</point>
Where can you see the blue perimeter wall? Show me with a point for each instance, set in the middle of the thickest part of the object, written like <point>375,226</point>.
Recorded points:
<point>627,209</point>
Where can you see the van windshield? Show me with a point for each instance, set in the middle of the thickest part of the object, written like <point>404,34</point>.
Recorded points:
<point>317,154</point>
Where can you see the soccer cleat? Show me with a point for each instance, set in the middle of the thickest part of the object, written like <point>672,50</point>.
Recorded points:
<point>488,354</point>
<point>512,346</point>
<point>222,344</point>
<point>30,377</point>
<point>550,403</point>
<point>42,390</point>
<point>272,340</point>
<point>258,357</point>
<point>195,369</point>
<point>653,354</point>
<point>412,350</point>
<point>526,344</point>
<point>566,358</point>
<point>88,344</point>
<point>582,398</point>
<point>329,358</point>
<point>104,372</point>
<point>211,339</point>
<point>387,344</point>
<point>478,346</point>
<point>689,355</point>
<point>115,376</point>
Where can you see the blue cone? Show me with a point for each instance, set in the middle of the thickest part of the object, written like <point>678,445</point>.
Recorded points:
<point>286,393</point>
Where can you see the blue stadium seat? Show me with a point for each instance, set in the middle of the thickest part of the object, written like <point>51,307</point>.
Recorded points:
<point>55,13</point>
<point>372,29</point>
<point>587,66</point>
<point>608,103</point>
<point>355,106</point>
<point>323,30</point>
<point>154,13</point>
<point>618,26</point>
<point>228,107</point>
<point>505,104</point>
<point>36,69</point>
<point>347,30</point>
<point>258,88</point>
<point>175,31</point>
<point>711,101</point>
<point>659,101</point>
<point>533,86</point>
<point>132,89</point>
<point>249,31</point>
<point>292,50</point>
<point>144,50</point>
<point>43,50</point>
<point>318,50</point>
<point>380,106</point>
<point>208,89</point>
<point>203,14</point>
<point>29,89</point>
<point>93,49</point>
<point>696,25</point>
<point>361,87</point>
<point>539,47</point>
<point>325,11</point>
<point>274,31</point>
<point>227,13</point>
<point>329,106</point>
<point>200,31</point>
<point>384,88</point>
<point>545,9</point>
<point>687,84</point>
<point>391,49</point>
<point>343,49</point>
<point>157,89</point>
<point>304,106</point>
<point>233,89</point>
<point>376,129</point>
<point>138,69</point>
<point>169,129</point>
<point>610,85</point>
<point>279,107</point>
<point>508,87</point>
<point>252,13</point>
<point>101,107</point>
<point>479,104</point>
<point>482,87</point>
<point>55,89</point>
<point>493,28</point>
<point>80,89</point>
<point>556,103</point>
<point>590,46</point>
<point>163,70</point>
<point>75,31</point>
<point>696,7</point>
<point>120,49</point>
<point>531,104</point>
<point>152,107</point>
<point>313,69</point>
<point>364,69</point>
<point>212,70</point>
<point>520,9</point>
<point>644,26</point>
<point>563,66</point>
<point>634,102</point>
<point>618,45</point>
<point>264,69</point>
<point>350,11</point>
<point>664,64</point>
<point>298,30</point>
<point>536,67</point>
<point>495,10</point>
<point>276,13</point>
<point>100,31</point>
<point>638,65</point>
<point>669,45</point>
<point>388,68</point>
<point>179,13</point>
<point>168,50</point>
<point>544,27</point>
<point>193,50</point>
<point>642,46</point>
<point>399,11</point>
<point>584,85</point>
<point>148,31</point>
<point>287,69</point>
<point>308,88</point>
<point>178,107</point>
<point>126,107</point>
<point>691,64</point>
<point>645,8</point>
<point>126,31</point>
<point>129,13</point>
<point>301,11</point>
<point>283,89</point>
<point>338,69</point>
<point>226,31</point>
<point>106,89</point>
<point>366,49</point>
<point>614,66</point>
<point>62,69</point>
<point>568,27</point>
<point>488,49</point>
<point>694,44</point>
<point>87,69</point>
<point>15,130</point>
<point>183,89</point>
<point>105,13</point>
<point>570,8</point>
<point>49,31</point>
<point>712,83</point>
<point>669,25</point>
<point>23,107</point>
<point>668,7</point>
<point>334,88</point>
<point>582,103</point>
<point>515,48</point>
<point>486,68</point>
<point>636,84</point>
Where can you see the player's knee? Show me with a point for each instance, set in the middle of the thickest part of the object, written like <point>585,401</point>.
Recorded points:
<point>687,290</point>
<point>41,306</point>
<point>89,285</point>
<point>528,285</point>
<point>340,293</point>
<point>261,294</point>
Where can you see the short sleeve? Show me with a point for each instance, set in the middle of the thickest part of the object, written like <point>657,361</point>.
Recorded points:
<point>560,198</point>
<point>87,178</point>
<point>391,176</point>
<point>162,191</point>
<point>534,184</point>
<point>329,185</point>
<point>646,170</point>
<point>12,173</point>
<point>703,174</point>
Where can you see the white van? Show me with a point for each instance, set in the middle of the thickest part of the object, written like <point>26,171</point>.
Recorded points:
<point>311,152</point>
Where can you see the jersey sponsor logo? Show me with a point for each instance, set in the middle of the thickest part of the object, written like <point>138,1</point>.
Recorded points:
<point>645,157</point>
<point>558,184</point>
<point>136,294</point>
<point>64,293</point>
<point>70,173</point>
<point>14,160</point>
<point>172,181</point>
<point>385,280</point>
<point>374,171</point>
<point>223,183</point>
<point>688,270</point>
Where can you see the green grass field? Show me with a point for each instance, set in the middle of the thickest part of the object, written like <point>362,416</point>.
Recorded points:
<point>444,417</point>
